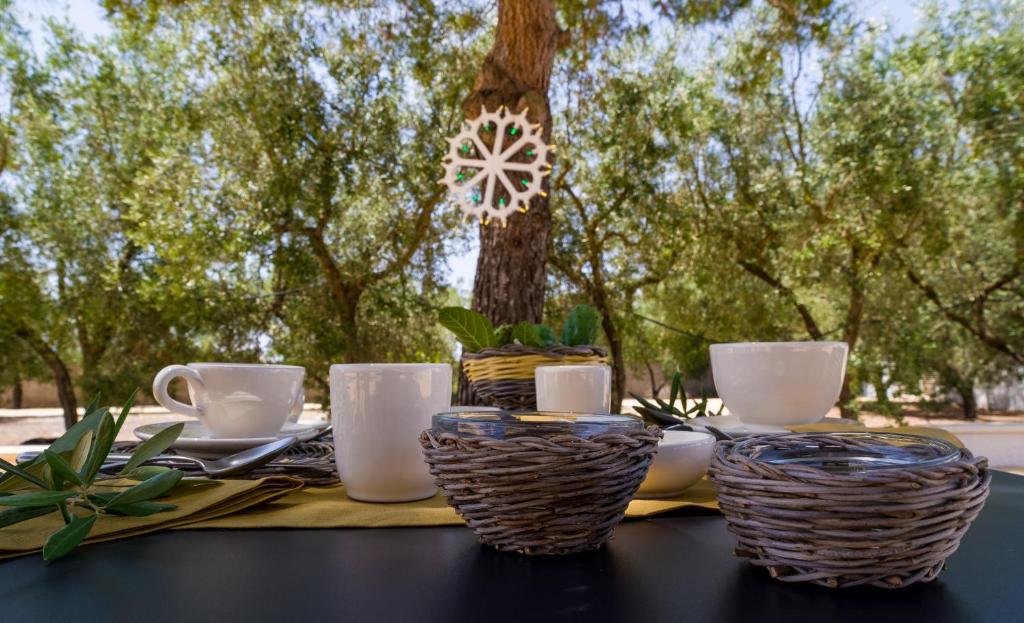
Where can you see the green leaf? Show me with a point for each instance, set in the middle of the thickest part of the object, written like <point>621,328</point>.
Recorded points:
<point>17,515</point>
<point>503,335</point>
<point>41,498</point>
<point>93,405</point>
<point>81,451</point>
<point>472,329</point>
<point>67,538</point>
<point>21,472</point>
<point>526,334</point>
<point>141,509</point>
<point>546,335</point>
<point>146,472</point>
<point>124,412</point>
<point>580,328</point>
<point>61,469</point>
<point>674,393</point>
<point>147,489</point>
<point>100,448</point>
<point>154,446</point>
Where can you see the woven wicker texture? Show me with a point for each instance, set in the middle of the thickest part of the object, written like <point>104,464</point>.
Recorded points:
<point>551,494</point>
<point>888,528</point>
<point>503,376</point>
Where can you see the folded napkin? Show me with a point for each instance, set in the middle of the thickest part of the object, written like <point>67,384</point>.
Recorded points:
<point>197,501</point>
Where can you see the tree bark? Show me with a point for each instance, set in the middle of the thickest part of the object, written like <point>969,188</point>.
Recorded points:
<point>61,376</point>
<point>968,403</point>
<point>510,270</point>
<point>618,363</point>
<point>17,395</point>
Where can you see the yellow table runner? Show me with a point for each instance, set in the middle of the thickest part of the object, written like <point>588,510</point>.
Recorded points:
<point>329,507</point>
<point>197,500</point>
<point>279,502</point>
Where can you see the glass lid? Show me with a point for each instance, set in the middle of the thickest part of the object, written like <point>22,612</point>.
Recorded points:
<point>504,424</point>
<point>847,452</point>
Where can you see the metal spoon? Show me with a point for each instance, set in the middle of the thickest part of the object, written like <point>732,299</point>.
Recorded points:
<point>232,465</point>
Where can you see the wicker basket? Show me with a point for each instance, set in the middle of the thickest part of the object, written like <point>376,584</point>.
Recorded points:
<point>503,376</point>
<point>547,494</point>
<point>888,527</point>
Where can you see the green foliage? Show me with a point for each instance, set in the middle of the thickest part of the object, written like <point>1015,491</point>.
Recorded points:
<point>476,332</point>
<point>581,326</point>
<point>666,413</point>
<point>526,334</point>
<point>471,328</point>
<point>74,486</point>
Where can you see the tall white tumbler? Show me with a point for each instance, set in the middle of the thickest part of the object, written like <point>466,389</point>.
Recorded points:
<point>378,411</point>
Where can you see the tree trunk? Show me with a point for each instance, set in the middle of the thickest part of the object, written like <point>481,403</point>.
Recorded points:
<point>510,270</point>
<point>618,363</point>
<point>968,403</point>
<point>61,376</point>
<point>17,396</point>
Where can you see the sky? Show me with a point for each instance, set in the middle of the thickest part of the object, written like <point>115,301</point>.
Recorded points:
<point>88,18</point>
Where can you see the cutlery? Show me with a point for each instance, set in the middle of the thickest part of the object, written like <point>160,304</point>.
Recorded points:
<point>231,465</point>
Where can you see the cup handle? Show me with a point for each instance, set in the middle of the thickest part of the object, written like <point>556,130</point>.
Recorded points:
<point>164,378</point>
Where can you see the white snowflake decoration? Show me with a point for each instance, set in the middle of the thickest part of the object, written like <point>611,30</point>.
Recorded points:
<point>492,182</point>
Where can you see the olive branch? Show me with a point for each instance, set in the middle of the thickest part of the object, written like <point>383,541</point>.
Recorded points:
<point>66,478</point>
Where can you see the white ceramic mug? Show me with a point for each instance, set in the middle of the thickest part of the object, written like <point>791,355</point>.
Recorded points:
<point>779,383</point>
<point>378,411</point>
<point>235,400</point>
<point>574,388</point>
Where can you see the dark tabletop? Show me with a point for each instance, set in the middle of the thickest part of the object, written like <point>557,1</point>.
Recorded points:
<point>676,569</point>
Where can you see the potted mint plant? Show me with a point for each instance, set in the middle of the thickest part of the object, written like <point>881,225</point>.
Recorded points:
<point>499,361</point>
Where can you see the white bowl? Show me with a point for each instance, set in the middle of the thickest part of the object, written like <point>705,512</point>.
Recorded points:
<point>683,458</point>
<point>779,383</point>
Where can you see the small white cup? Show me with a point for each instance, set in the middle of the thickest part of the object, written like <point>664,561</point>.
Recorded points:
<point>235,400</point>
<point>779,383</point>
<point>378,411</point>
<point>574,388</point>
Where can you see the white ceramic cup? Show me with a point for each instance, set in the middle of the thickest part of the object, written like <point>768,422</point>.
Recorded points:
<point>378,411</point>
<point>235,400</point>
<point>574,389</point>
<point>779,383</point>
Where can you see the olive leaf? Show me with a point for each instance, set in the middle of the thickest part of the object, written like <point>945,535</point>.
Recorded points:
<point>81,451</point>
<point>67,538</point>
<point>141,509</point>
<point>16,515</point>
<point>100,448</point>
<point>146,472</point>
<point>147,489</point>
<point>60,468</point>
<point>40,498</point>
<point>21,471</point>
<point>471,328</point>
<point>153,446</point>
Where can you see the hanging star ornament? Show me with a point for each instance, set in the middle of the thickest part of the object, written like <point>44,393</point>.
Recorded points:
<point>495,165</point>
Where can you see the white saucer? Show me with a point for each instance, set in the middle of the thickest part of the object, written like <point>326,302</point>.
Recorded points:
<point>196,439</point>
<point>734,425</point>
